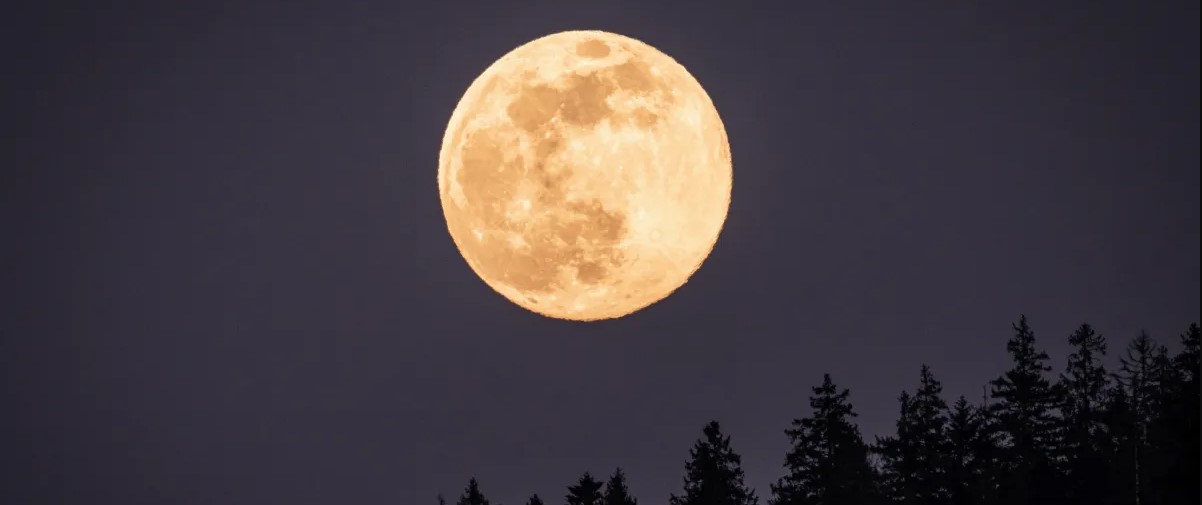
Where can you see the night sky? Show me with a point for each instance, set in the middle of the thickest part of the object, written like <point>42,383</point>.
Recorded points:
<point>227,277</point>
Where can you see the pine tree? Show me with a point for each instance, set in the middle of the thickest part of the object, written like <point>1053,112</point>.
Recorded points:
<point>1084,383</point>
<point>1121,443</point>
<point>1141,372</point>
<point>970,475</point>
<point>1145,373</point>
<point>1026,419</point>
<point>1187,361</point>
<point>534,500</point>
<point>1182,426</point>
<point>472,495</point>
<point>616,492</point>
<point>713,475</point>
<point>914,461</point>
<point>898,456</point>
<point>587,491</point>
<point>828,461</point>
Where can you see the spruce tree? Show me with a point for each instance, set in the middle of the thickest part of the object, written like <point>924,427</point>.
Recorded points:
<point>1026,419</point>
<point>534,500</point>
<point>713,475</point>
<point>472,495</point>
<point>898,456</point>
<point>1084,383</point>
<point>914,460</point>
<point>1145,373</point>
<point>1120,452</point>
<point>1182,413</point>
<point>616,492</point>
<point>828,461</point>
<point>970,475</point>
<point>1187,361</point>
<point>1141,372</point>
<point>1167,482</point>
<point>586,491</point>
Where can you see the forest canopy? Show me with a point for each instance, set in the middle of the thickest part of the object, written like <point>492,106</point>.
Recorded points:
<point>1044,434</point>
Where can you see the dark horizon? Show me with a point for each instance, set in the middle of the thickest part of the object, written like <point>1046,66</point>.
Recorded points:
<point>228,276</point>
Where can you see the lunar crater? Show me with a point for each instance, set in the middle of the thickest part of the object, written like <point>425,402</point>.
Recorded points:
<point>588,186</point>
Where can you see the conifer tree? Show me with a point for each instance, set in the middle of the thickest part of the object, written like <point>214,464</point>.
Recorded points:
<point>828,461</point>
<point>1182,426</point>
<point>586,491</point>
<point>1121,442</point>
<point>534,500</point>
<point>1026,419</point>
<point>713,474</point>
<point>616,492</point>
<point>1145,374</point>
<point>914,460</point>
<point>970,475</point>
<point>1187,361</point>
<point>472,495</point>
<point>898,457</point>
<point>1084,383</point>
<point>1141,372</point>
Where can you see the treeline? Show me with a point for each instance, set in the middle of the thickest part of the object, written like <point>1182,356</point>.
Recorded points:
<point>1082,435</point>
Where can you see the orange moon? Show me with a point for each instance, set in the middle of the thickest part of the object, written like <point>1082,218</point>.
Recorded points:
<point>585,175</point>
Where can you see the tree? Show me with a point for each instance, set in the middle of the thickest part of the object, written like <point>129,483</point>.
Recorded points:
<point>616,492</point>
<point>441,501</point>
<point>1141,372</point>
<point>713,475</point>
<point>472,495</point>
<point>534,500</point>
<point>1026,419</point>
<point>1084,384</point>
<point>1187,361</point>
<point>1146,375</point>
<point>1120,452</point>
<point>970,476</point>
<point>587,491</point>
<point>1182,424</point>
<point>1164,404</point>
<point>898,456</point>
<point>914,460</point>
<point>828,461</point>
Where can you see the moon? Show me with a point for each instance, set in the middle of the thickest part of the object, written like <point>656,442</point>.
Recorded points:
<point>585,175</point>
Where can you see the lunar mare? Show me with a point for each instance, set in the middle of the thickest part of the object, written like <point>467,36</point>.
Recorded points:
<point>585,175</point>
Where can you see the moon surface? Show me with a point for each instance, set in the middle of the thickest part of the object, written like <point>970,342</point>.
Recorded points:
<point>585,175</point>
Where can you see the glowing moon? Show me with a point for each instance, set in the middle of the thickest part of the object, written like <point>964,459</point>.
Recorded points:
<point>585,175</point>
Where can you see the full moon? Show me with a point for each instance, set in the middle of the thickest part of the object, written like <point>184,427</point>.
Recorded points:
<point>585,175</point>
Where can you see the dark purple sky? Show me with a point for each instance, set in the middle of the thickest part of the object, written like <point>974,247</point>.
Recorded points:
<point>230,280</point>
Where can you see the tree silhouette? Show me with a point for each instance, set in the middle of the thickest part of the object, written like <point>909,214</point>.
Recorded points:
<point>1130,437</point>
<point>1026,420</point>
<point>1181,422</point>
<point>1084,383</point>
<point>1187,361</point>
<point>914,461</point>
<point>1145,373</point>
<point>616,492</point>
<point>586,491</point>
<point>472,495</point>
<point>898,456</point>
<point>971,465</point>
<point>713,475</point>
<point>828,461</point>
